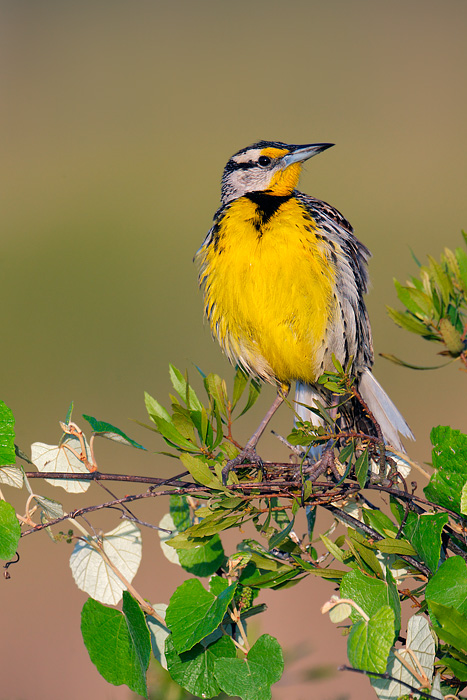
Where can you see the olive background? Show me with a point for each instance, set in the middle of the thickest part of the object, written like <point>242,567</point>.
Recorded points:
<point>117,119</point>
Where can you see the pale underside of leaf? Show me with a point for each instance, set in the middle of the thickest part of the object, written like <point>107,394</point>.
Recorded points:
<point>158,633</point>
<point>421,644</point>
<point>11,476</point>
<point>58,458</point>
<point>170,553</point>
<point>92,574</point>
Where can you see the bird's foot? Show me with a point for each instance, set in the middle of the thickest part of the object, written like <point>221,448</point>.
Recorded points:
<point>327,463</point>
<point>247,456</point>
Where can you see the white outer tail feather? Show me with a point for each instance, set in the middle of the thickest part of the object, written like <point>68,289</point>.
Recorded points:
<point>385,412</point>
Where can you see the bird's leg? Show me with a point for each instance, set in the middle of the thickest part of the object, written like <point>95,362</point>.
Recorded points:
<point>248,453</point>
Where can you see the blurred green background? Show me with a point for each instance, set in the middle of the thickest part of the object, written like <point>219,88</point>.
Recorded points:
<point>117,119</point>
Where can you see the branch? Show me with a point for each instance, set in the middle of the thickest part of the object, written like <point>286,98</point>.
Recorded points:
<point>388,677</point>
<point>358,525</point>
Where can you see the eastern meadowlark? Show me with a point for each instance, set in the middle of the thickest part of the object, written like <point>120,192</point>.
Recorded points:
<point>283,278</point>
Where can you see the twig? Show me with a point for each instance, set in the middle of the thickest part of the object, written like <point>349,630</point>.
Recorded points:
<point>125,516</point>
<point>388,677</point>
<point>235,615</point>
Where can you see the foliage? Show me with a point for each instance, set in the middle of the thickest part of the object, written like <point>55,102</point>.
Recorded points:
<point>409,556</point>
<point>436,304</point>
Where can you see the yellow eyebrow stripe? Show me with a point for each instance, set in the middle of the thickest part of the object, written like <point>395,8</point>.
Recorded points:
<point>274,152</point>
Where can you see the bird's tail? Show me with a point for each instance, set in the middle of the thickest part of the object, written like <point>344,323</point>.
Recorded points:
<point>388,417</point>
<point>353,417</point>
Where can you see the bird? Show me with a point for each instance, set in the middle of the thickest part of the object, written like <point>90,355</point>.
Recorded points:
<point>283,279</point>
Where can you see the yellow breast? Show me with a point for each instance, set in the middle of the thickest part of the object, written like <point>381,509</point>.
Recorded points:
<point>269,290</point>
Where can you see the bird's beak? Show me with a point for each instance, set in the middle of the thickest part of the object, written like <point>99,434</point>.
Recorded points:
<point>300,153</point>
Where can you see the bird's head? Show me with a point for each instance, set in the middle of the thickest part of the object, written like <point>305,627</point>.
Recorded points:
<point>271,167</point>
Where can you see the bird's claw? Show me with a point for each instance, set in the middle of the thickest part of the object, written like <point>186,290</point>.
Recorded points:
<point>248,455</point>
<point>327,463</point>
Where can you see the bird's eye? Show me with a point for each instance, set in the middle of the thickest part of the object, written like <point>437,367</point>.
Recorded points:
<point>264,161</point>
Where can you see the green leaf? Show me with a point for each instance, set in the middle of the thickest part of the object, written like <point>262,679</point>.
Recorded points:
<point>424,532</point>
<point>184,421</point>
<point>204,559</point>
<point>449,458</point>
<point>453,627</point>
<point>370,594</point>
<point>458,668</point>
<point>389,545</point>
<point>200,471</point>
<point>10,530</point>
<point>219,428</point>
<point>194,613</point>
<point>194,669</point>
<point>449,585</point>
<point>361,469</point>
<point>337,365</point>
<point>253,393</point>
<point>370,641</point>
<point>180,512</point>
<point>240,382</point>
<point>69,413</point>
<point>268,579</point>
<point>216,388</point>
<point>461,258</point>
<point>118,643</point>
<point>251,677</point>
<point>7,435</point>
<point>347,452</point>
<point>416,301</point>
<point>402,363</point>
<point>379,521</point>
<point>332,574</point>
<point>336,551</point>
<point>213,524</point>
<point>409,323</point>
<point>154,408</point>
<point>173,436</point>
<point>366,552</point>
<point>279,537</point>
<point>106,430</point>
<point>184,389</point>
<point>441,279</point>
<point>217,584</point>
